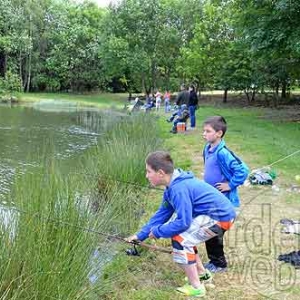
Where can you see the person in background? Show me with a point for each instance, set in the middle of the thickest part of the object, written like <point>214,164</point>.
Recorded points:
<point>167,98</point>
<point>149,102</point>
<point>157,100</point>
<point>183,96</point>
<point>190,213</point>
<point>192,105</point>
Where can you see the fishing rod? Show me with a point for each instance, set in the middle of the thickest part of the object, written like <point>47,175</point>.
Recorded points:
<point>133,252</point>
<point>135,243</point>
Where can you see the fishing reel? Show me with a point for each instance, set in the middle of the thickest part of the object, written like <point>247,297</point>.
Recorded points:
<point>132,251</point>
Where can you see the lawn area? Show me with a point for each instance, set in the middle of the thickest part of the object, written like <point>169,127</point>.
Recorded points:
<point>97,99</point>
<point>253,245</point>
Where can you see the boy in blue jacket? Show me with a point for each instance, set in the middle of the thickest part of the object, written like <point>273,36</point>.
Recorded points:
<point>191,212</point>
<point>224,171</point>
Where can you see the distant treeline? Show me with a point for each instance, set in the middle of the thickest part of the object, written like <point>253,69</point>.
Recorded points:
<point>141,45</point>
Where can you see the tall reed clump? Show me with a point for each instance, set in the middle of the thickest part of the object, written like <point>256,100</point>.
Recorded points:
<point>45,252</point>
<point>118,168</point>
<point>122,151</point>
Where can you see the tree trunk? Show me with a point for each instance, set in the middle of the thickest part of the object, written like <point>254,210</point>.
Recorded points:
<point>20,68</point>
<point>168,72</point>
<point>153,74</point>
<point>198,86</point>
<point>3,60</point>
<point>283,91</point>
<point>129,96</point>
<point>225,95</point>
<point>248,97</point>
<point>277,88</point>
<point>28,73</point>
<point>275,100</point>
<point>253,96</point>
<point>267,99</point>
<point>28,80</point>
<point>288,90</point>
<point>144,89</point>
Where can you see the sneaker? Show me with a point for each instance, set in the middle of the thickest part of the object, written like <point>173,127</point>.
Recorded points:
<point>189,290</point>
<point>214,269</point>
<point>204,278</point>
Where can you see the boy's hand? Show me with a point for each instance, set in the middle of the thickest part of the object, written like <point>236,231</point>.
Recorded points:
<point>131,238</point>
<point>223,186</point>
<point>152,236</point>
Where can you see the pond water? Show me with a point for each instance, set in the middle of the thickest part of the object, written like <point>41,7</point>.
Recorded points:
<point>27,134</point>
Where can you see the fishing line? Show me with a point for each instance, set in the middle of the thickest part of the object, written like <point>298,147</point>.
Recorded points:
<point>268,166</point>
<point>284,158</point>
<point>279,160</point>
<point>94,231</point>
<point>111,177</point>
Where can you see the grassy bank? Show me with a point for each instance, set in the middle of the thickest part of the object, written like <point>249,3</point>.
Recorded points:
<point>253,246</point>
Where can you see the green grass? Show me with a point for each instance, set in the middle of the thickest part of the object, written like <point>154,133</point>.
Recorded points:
<point>254,244</point>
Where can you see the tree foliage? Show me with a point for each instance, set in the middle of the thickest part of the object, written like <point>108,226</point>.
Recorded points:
<point>142,45</point>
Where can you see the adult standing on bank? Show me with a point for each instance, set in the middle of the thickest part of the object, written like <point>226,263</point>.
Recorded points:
<point>183,96</point>
<point>192,105</point>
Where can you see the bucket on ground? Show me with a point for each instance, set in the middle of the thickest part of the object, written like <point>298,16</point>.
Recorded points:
<point>180,127</point>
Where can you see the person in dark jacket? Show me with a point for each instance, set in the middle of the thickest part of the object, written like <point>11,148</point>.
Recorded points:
<point>183,96</point>
<point>192,105</point>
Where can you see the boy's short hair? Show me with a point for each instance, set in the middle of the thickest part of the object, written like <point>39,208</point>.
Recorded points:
<point>160,160</point>
<point>217,123</point>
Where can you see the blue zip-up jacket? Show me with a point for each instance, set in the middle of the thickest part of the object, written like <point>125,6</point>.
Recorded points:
<point>187,197</point>
<point>232,167</point>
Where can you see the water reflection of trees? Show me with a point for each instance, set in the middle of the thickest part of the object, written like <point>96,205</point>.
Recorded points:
<point>98,121</point>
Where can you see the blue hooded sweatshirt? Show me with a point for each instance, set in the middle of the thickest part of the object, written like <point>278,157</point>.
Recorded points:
<point>232,167</point>
<point>187,197</point>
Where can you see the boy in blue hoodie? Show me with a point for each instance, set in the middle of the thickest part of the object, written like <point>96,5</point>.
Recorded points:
<point>224,171</point>
<point>191,212</point>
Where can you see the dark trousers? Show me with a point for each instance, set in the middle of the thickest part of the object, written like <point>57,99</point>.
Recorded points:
<point>192,111</point>
<point>215,250</point>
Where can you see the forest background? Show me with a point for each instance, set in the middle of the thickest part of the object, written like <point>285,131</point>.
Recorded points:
<point>141,45</point>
